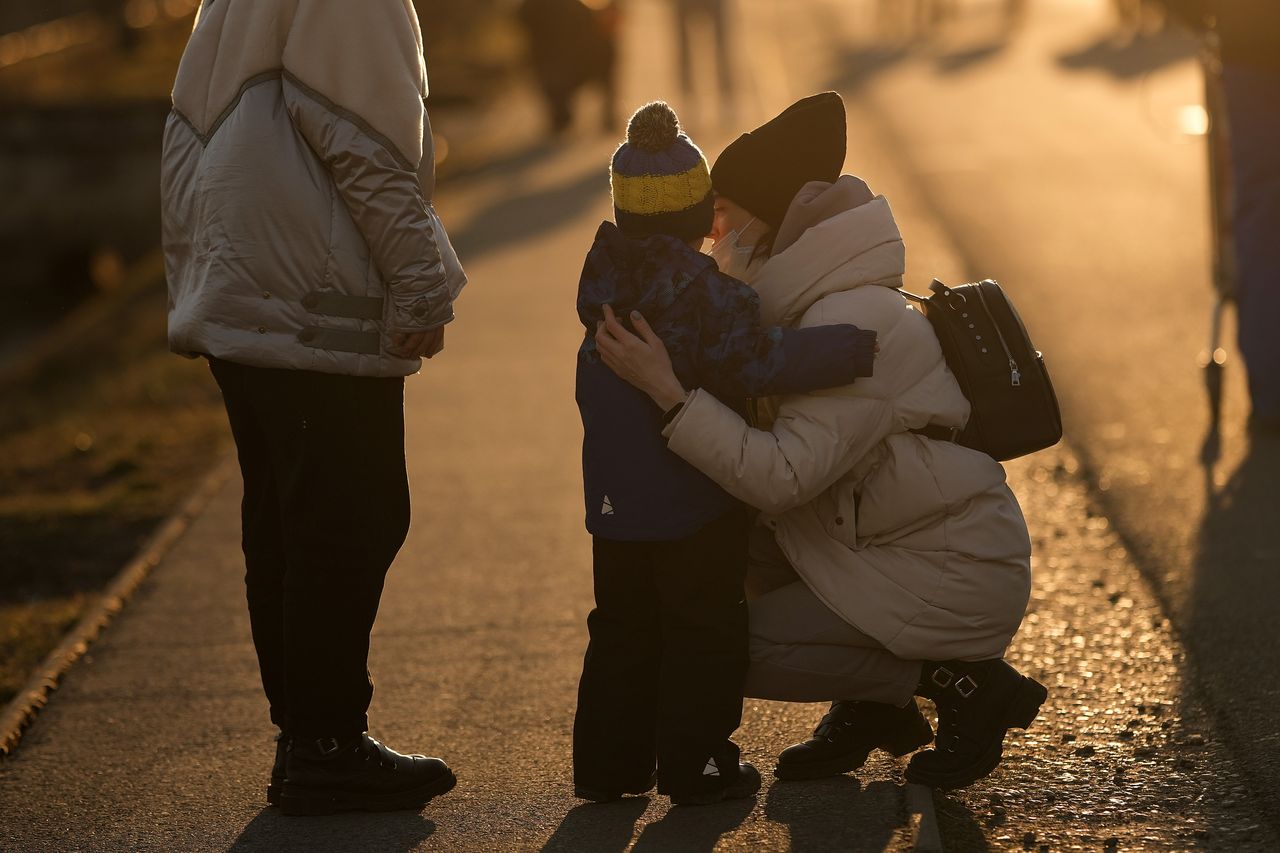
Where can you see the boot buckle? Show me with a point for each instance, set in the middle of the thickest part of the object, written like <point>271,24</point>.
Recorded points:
<point>942,676</point>
<point>327,745</point>
<point>966,686</point>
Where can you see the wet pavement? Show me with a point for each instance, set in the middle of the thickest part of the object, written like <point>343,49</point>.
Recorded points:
<point>1125,754</point>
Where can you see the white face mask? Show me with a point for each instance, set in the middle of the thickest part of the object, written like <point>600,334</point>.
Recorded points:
<point>735,259</point>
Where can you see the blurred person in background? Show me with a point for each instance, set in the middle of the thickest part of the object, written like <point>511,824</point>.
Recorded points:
<point>912,18</point>
<point>1249,37</point>
<point>306,263</point>
<point>1139,15</point>
<point>886,564</point>
<point>572,45</point>
<point>714,14</point>
<point>113,12</point>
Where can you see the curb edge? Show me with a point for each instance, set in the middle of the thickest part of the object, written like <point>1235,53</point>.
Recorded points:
<point>925,835</point>
<point>23,709</point>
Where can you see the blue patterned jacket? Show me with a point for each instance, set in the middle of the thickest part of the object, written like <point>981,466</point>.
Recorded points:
<point>635,488</point>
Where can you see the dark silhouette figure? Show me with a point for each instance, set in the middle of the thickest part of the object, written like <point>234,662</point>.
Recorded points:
<point>126,38</point>
<point>572,46</point>
<point>713,13</point>
<point>1249,33</point>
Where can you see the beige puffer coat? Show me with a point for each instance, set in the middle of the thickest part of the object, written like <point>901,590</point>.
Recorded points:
<point>297,231</point>
<point>918,543</point>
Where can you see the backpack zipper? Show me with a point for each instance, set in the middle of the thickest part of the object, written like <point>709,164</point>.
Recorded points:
<point>1015,375</point>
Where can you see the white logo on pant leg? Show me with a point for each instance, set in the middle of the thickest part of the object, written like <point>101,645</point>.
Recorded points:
<point>607,509</point>
<point>712,769</point>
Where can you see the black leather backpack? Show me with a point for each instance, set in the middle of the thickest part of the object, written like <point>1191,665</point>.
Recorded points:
<point>1014,408</point>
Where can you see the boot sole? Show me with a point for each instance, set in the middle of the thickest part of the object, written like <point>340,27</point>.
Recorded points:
<point>837,766</point>
<point>980,769</point>
<point>1021,712</point>
<point>310,802</point>
<point>842,764</point>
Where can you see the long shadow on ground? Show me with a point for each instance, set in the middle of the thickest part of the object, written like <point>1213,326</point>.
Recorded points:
<point>1130,60</point>
<point>511,220</point>
<point>693,829</point>
<point>837,813</point>
<point>392,832</point>
<point>602,827</point>
<point>1236,585</point>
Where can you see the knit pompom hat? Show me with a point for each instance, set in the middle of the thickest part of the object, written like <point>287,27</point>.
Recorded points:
<point>660,179</point>
<point>763,170</point>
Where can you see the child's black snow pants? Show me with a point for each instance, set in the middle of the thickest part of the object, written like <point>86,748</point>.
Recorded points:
<point>663,675</point>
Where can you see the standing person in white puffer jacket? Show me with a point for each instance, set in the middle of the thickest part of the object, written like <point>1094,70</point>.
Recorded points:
<point>306,263</point>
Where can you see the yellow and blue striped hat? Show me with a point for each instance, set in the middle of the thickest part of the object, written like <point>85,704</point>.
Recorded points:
<point>661,181</point>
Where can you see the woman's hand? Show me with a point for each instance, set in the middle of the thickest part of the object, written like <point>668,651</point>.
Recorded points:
<point>642,361</point>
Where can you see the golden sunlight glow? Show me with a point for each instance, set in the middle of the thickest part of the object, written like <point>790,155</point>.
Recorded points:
<point>1193,120</point>
<point>52,37</point>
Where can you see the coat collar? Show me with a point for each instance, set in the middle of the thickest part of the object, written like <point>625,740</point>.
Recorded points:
<point>843,242</point>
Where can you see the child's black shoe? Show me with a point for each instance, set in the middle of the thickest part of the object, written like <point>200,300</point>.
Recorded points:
<point>738,786</point>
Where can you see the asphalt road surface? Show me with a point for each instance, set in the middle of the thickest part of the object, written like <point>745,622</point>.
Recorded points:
<point>1042,156</point>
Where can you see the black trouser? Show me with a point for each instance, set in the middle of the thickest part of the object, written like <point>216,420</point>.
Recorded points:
<point>663,675</point>
<point>326,508</point>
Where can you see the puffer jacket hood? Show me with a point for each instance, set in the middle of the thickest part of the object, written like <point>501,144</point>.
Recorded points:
<point>835,237</point>
<point>917,543</point>
<point>297,231</point>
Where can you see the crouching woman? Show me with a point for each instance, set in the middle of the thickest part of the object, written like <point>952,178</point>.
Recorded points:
<point>887,565</point>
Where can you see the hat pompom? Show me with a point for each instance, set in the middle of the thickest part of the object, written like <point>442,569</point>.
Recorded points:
<point>654,127</point>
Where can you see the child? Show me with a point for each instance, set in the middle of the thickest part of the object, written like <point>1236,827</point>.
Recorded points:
<point>663,675</point>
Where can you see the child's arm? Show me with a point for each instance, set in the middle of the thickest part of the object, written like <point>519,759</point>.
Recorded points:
<point>740,358</point>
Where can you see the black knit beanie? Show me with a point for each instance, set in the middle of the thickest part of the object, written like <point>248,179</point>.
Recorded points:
<point>763,170</point>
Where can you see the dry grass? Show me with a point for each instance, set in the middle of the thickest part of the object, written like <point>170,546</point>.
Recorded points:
<point>27,633</point>
<point>99,444</point>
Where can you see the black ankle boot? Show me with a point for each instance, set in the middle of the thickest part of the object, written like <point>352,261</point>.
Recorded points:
<point>277,769</point>
<point>728,783</point>
<point>848,733</point>
<point>977,703</point>
<point>328,775</point>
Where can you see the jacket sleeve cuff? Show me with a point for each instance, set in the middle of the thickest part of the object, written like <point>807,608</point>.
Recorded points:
<point>701,416</point>
<point>864,352</point>
<point>419,310</point>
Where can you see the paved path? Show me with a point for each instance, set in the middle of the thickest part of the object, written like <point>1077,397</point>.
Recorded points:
<point>158,739</point>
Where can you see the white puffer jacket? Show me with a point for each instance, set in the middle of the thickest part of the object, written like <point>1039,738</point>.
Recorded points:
<point>297,231</point>
<point>918,543</point>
